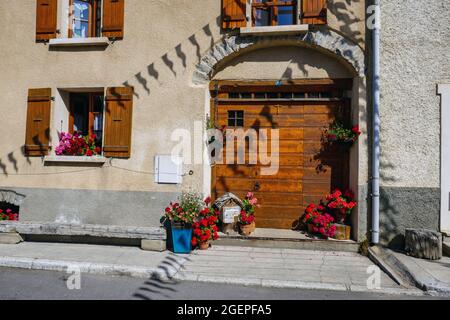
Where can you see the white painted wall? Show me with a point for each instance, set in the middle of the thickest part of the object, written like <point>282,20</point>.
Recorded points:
<point>444,91</point>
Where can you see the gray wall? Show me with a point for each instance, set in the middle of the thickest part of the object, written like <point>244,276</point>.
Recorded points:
<point>124,208</point>
<point>415,57</point>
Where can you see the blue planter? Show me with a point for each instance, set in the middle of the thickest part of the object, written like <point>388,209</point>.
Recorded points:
<point>181,238</point>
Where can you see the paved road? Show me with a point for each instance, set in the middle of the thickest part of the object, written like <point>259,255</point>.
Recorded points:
<point>48,285</point>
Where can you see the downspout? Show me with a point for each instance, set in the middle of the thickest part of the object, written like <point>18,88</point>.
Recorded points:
<point>376,126</point>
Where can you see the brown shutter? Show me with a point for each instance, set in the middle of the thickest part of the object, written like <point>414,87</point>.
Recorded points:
<point>113,18</point>
<point>37,135</point>
<point>46,12</point>
<point>234,14</point>
<point>314,12</point>
<point>119,112</point>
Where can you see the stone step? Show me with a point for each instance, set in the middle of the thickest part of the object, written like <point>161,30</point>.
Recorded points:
<point>149,238</point>
<point>286,239</point>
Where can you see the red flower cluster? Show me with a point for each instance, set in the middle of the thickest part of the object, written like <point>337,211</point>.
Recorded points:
<point>9,215</point>
<point>356,131</point>
<point>247,215</point>
<point>205,228</point>
<point>174,212</point>
<point>339,132</point>
<point>320,220</point>
<point>343,201</point>
<point>77,145</point>
<point>321,216</point>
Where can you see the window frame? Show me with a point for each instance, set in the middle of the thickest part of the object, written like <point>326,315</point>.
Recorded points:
<point>272,8</point>
<point>236,118</point>
<point>91,113</point>
<point>94,21</point>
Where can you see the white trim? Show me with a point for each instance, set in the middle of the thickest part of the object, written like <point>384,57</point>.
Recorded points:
<point>71,42</point>
<point>207,169</point>
<point>75,159</point>
<point>444,91</point>
<point>279,30</point>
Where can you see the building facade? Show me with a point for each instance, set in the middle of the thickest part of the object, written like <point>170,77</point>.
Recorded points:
<point>139,73</point>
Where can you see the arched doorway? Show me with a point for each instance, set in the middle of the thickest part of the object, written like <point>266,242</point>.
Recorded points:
<point>300,92</point>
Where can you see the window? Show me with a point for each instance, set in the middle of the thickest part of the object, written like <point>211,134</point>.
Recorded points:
<point>235,118</point>
<point>85,18</point>
<point>86,115</point>
<point>274,12</point>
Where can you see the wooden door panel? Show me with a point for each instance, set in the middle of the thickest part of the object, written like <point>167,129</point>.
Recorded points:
<point>307,171</point>
<point>265,185</point>
<point>261,110</point>
<point>246,171</point>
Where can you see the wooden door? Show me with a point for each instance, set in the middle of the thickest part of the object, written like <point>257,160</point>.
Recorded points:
<point>308,169</point>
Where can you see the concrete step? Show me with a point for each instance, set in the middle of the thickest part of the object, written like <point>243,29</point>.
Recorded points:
<point>286,239</point>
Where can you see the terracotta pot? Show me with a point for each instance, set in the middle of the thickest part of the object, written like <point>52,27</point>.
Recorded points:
<point>247,229</point>
<point>341,215</point>
<point>204,246</point>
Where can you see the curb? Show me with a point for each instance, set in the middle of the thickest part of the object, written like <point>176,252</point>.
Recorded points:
<point>86,267</point>
<point>280,284</point>
<point>166,272</point>
<point>410,273</point>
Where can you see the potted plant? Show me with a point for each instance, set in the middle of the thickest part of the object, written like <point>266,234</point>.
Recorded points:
<point>341,204</point>
<point>77,145</point>
<point>182,215</point>
<point>339,133</point>
<point>318,221</point>
<point>205,228</point>
<point>246,220</point>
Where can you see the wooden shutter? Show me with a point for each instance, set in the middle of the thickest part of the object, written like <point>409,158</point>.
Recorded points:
<point>234,14</point>
<point>37,135</point>
<point>118,118</point>
<point>46,12</point>
<point>314,12</point>
<point>113,18</point>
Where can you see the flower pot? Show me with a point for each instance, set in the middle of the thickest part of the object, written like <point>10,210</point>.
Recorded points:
<point>340,215</point>
<point>343,232</point>
<point>181,238</point>
<point>204,246</point>
<point>247,229</point>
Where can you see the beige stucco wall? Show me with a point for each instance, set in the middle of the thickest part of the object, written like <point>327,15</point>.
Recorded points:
<point>283,63</point>
<point>158,56</point>
<point>167,37</point>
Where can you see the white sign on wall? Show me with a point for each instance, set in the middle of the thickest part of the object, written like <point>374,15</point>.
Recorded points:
<point>229,213</point>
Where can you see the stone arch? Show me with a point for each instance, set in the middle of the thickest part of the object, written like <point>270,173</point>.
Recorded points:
<point>327,41</point>
<point>11,197</point>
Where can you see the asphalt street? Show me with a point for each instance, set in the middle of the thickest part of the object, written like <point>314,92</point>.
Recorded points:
<point>22,284</point>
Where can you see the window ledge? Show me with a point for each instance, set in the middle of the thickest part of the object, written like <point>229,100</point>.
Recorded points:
<point>75,159</point>
<point>270,30</point>
<point>74,42</point>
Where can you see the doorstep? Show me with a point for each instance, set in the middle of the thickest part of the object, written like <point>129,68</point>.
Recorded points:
<point>286,239</point>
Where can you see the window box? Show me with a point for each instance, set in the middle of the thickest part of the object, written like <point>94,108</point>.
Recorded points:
<point>269,30</point>
<point>75,159</point>
<point>76,42</point>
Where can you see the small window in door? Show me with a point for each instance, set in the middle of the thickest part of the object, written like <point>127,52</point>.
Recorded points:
<point>235,118</point>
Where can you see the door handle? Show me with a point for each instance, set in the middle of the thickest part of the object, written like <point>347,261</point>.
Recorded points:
<point>257,186</point>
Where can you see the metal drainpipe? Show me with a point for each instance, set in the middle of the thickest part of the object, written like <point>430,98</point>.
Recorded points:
<point>376,127</point>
